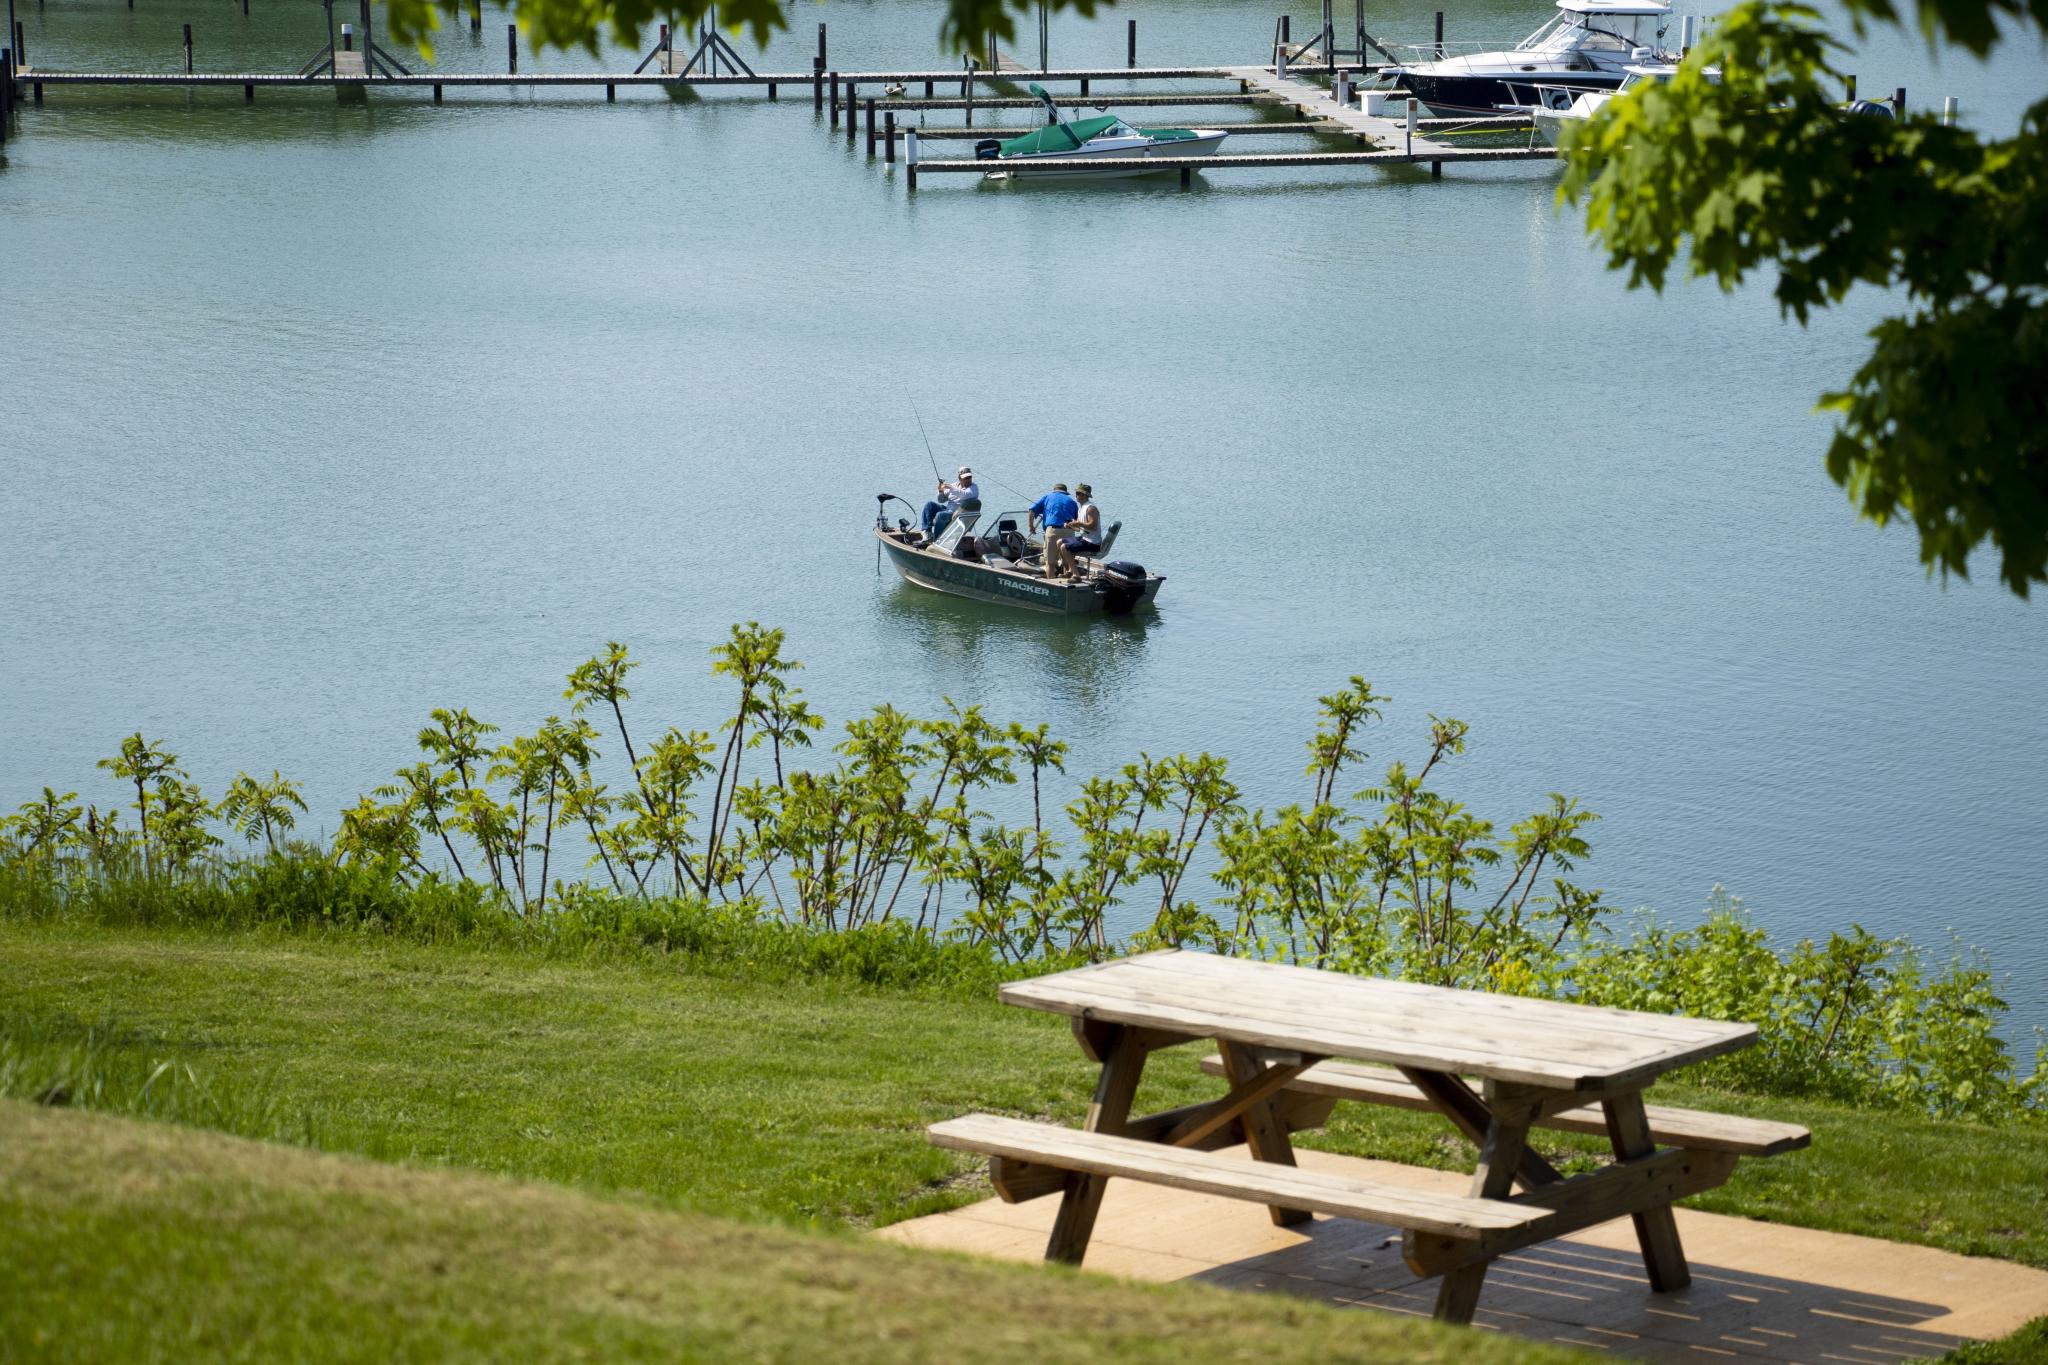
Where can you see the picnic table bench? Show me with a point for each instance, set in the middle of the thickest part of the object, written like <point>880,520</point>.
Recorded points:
<point>1294,1041</point>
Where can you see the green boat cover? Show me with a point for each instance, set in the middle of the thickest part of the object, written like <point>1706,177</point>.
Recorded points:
<point>1056,139</point>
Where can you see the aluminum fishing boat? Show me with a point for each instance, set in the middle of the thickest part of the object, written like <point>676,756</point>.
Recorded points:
<point>1006,567</point>
<point>1588,45</point>
<point>1106,136</point>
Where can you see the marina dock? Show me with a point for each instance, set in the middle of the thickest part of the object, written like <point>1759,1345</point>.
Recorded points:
<point>354,66</point>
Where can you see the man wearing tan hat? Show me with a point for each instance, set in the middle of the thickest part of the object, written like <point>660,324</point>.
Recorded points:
<point>1080,536</point>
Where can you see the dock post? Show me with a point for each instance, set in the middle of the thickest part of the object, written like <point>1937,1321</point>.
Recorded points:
<point>817,85</point>
<point>1084,85</point>
<point>852,110</point>
<point>1131,43</point>
<point>6,90</point>
<point>1899,102</point>
<point>20,58</point>
<point>611,92</point>
<point>771,92</point>
<point>1186,177</point>
<point>821,46</point>
<point>928,88</point>
<point>1849,89</point>
<point>1948,111</point>
<point>188,49</point>
<point>1413,104</point>
<point>511,49</point>
<point>437,92</point>
<point>245,9</point>
<point>871,128</point>
<point>889,138</point>
<point>1439,35</point>
<point>248,93</point>
<point>835,101</point>
<point>476,16</point>
<point>910,157</point>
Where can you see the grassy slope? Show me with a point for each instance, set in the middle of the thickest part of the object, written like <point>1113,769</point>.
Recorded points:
<point>787,1099</point>
<point>219,1248</point>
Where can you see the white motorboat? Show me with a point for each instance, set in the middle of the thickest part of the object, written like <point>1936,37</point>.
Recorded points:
<point>1558,105</point>
<point>1587,46</point>
<point>1107,136</point>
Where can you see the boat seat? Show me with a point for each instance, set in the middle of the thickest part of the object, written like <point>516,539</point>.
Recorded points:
<point>1108,540</point>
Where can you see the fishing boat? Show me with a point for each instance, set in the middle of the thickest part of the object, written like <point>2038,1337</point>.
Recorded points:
<point>1106,136</point>
<point>1588,45</point>
<point>1006,567</point>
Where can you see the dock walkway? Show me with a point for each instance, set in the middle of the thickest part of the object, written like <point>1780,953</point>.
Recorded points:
<point>1316,102</point>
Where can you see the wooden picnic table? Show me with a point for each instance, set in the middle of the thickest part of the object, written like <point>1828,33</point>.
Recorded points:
<point>1279,1030</point>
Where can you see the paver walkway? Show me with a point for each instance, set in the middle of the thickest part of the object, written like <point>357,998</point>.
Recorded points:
<point>1760,1291</point>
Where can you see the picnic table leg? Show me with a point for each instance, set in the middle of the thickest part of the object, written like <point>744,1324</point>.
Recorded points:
<point>1123,1062</point>
<point>1500,1158</point>
<point>1628,1132</point>
<point>1264,1133</point>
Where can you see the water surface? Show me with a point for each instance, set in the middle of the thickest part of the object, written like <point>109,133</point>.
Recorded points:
<point>319,416</point>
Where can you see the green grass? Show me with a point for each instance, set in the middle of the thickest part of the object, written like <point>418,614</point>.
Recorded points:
<point>133,1241</point>
<point>792,1099</point>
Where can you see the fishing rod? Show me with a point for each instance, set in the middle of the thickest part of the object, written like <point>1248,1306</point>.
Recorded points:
<point>927,438</point>
<point>935,459</point>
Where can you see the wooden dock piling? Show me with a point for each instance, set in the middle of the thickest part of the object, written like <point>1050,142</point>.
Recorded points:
<point>835,100</point>
<point>20,51</point>
<point>437,94</point>
<point>476,16</point>
<point>1439,35</point>
<point>888,140</point>
<point>1899,102</point>
<point>611,94</point>
<point>1131,44</point>
<point>852,110</point>
<point>817,85</point>
<point>6,91</point>
<point>248,92</point>
<point>188,49</point>
<point>511,49</point>
<point>821,45</point>
<point>871,128</point>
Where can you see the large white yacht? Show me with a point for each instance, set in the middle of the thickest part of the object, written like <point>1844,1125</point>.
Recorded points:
<point>1586,45</point>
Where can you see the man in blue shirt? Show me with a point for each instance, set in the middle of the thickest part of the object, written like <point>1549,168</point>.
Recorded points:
<point>1053,510</point>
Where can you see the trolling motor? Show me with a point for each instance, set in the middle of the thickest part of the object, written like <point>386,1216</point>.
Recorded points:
<point>882,501</point>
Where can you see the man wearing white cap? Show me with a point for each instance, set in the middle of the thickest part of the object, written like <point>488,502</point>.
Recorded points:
<point>940,510</point>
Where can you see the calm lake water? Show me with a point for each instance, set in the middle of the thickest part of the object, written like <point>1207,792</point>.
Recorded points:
<point>318,416</point>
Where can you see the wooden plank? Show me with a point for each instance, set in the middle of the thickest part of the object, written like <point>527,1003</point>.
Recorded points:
<point>1260,1085</point>
<point>1264,1134</point>
<point>1454,1099</point>
<point>1540,1042</point>
<point>1628,1130</point>
<point>1578,1202</point>
<point>1019,1181</point>
<point>1122,1068</point>
<point>1698,1129</point>
<point>1100,1155</point>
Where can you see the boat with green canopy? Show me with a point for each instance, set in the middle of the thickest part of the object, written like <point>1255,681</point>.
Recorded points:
<point>1107,136</point>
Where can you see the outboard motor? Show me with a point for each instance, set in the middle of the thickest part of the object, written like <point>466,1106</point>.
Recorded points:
<point>1123,586</point>
<point>988,149</point>
<point>1872,108</point>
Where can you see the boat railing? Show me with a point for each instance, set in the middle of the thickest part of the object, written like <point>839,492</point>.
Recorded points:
<point>1417,54</point>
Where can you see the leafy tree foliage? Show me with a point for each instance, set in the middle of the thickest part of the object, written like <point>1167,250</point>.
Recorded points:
<point>1946,422</point>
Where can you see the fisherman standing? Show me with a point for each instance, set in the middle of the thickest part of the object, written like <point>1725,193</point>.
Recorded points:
<point>941,509</point>
<point>1056,508</point>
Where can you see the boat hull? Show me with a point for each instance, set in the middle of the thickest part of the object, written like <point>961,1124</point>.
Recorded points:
<point>1205,143</point>
<point>1007,587</point>
<point>1482,94</point>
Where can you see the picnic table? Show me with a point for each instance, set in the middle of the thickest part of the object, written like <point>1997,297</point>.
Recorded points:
<point>1294,1041</point>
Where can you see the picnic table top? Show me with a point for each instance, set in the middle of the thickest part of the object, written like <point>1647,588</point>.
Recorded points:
<point>1333,1014</point>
